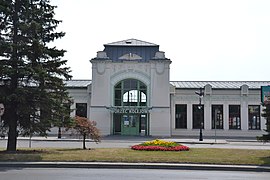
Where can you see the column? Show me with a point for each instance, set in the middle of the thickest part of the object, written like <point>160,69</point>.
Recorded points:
<point>189,116</point>
<point>207,115</point>
<point>244,114</point>
<point>226,116</point>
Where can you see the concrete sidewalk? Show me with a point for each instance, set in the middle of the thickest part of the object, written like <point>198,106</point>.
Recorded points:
<point>130,139</point>
<point>136,139</point>
<point>206,167</point>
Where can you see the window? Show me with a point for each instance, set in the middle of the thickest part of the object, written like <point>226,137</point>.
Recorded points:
<point>130,92</point>
<point>234,117</point>
<point>254,118</point>
<point>81,109</point>
<point>180,116</point>
<point>217,117</point>
<point>198,116</point>
<point>117,123</point>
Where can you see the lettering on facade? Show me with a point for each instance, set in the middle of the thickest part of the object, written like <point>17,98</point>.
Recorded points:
<point>129,110</point>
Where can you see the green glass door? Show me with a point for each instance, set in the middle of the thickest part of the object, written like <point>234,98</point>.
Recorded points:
<point>130,124</point>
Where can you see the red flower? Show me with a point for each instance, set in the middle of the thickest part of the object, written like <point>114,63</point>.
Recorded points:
<point>160,148</point>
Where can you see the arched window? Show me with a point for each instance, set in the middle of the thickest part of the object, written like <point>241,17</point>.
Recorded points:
<point>130,92</point>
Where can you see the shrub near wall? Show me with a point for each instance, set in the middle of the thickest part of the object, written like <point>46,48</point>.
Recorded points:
<point>160,145</point>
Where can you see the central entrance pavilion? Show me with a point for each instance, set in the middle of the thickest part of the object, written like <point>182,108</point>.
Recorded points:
<point>130,90</point>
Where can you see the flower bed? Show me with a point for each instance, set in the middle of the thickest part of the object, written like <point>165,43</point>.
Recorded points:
<point>160,145</point>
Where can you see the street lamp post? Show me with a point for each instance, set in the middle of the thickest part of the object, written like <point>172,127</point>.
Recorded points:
<point>59,135</point>
<point>200,94</point>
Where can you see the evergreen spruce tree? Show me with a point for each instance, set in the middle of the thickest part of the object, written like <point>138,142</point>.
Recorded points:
<point>266,114</point>
<point>32,73</point>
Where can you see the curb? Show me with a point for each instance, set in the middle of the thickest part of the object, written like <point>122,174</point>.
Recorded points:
<point>195,142</point>
<point>209,167</point>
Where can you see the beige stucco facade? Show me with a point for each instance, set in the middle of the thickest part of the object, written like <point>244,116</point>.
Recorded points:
<point>130,62</point>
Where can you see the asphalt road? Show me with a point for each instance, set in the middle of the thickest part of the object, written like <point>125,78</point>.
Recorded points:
<point>130,174</point>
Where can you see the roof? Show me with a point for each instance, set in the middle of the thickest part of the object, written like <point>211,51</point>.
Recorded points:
<point>131,42</point>
<point>188,84</point>
<point>78,83</point>
<point>219,84</point>
<point>127,49</point>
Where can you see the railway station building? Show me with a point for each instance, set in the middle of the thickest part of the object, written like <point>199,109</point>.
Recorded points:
<point>130,93</point>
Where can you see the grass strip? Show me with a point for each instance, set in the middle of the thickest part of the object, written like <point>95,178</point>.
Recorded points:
<point>196,155</point>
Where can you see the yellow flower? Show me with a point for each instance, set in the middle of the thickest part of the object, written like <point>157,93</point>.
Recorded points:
<point>158,142</point>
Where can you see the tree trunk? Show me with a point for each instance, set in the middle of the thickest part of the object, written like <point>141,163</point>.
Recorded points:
<point>84,143</point>
<point>12,109</point>
<point>12,134</point>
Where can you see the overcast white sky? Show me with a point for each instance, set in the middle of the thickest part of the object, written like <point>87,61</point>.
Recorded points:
<point>206,40</point>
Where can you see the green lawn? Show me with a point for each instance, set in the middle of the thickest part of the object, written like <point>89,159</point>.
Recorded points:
<point>196,155</point>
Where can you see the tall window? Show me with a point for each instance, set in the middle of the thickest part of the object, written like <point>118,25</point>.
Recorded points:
<point>180,116</point>
<point>130,92</point>
<point>234,117</point>
<point>254,118</point>
<point>198,116</point>
<point>81,109</point>
<point>217,117</point>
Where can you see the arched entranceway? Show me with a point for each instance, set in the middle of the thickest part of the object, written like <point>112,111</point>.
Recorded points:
<point>130,112</point>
